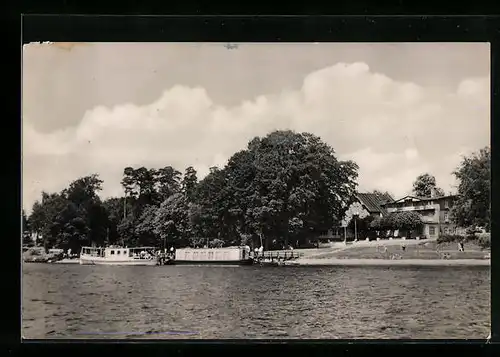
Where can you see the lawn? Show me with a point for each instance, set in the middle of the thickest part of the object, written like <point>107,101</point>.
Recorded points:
<point>422,250</point>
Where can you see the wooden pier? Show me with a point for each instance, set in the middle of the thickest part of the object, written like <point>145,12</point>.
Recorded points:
<point>277,257</point>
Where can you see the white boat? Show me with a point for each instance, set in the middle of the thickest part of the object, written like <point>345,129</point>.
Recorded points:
<point>115,255</point>
<point>213,256</point>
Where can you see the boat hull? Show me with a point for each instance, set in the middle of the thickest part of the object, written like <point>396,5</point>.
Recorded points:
<point>136,262</point>
<point>213,262</point>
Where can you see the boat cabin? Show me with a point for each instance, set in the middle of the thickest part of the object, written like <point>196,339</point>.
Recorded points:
<point>119,253</point>
<point>212,254</point>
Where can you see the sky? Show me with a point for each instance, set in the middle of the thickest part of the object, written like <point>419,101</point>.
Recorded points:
<point>397,109</point>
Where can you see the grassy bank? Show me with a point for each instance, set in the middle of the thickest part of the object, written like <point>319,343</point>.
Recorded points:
<point>388,262</point>
<point>392,250</point>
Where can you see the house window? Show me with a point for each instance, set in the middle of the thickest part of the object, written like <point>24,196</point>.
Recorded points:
<point>446,204</point>
<point>432,230</point>
<point>446,216</point>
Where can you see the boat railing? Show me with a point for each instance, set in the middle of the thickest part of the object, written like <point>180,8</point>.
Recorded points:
<point>279,255</point>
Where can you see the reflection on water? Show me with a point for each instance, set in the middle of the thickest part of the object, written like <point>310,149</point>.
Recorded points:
<point>183,302</point>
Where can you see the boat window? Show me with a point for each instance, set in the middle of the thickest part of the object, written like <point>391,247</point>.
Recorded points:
<point>210,255</point>
<point>118,252</point>
<point>112,252</point>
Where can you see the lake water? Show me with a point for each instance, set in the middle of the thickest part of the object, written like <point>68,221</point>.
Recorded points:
<point>187,302</point>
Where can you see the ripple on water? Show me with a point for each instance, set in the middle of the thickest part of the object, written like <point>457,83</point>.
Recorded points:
<point>251,302</point>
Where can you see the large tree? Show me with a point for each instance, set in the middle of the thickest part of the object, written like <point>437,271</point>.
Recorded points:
<point>171,221</point>
<point>44,217</point>
<point>85,205</point>
<point>297,187</point>
<point>473,206</point>
<point>216,199</point>
<point>73,217</point>
<point>424,185</point>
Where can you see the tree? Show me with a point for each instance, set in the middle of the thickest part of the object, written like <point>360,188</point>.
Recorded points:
<point>215,197</point>
<point>293,177</point>
<point>424,185</point>
<point>376,224</point>
<point>361,225</point>
<point>115,210</point>
<point>84,190</point>
<point>171,221</point>
<point>73,217</point>
<point>44,218</point>
<point>168,181</point>
<point>473,205</point>
<point>126,231</point>
<point>407,221</point>
<point>83,194</point>
<point>145,228</point>
<point>189,183</point>
<point>353,215</point>
<point>26,231</point>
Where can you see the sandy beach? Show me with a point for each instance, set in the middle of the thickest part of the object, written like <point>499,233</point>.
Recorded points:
<point>395,262</point>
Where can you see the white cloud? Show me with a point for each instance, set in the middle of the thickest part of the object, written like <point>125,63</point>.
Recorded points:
<point>393,130</point>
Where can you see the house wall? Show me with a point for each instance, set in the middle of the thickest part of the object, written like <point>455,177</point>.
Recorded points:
<point>435,214</point>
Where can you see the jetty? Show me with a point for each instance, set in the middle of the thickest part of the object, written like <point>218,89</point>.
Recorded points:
<point>277,257</point>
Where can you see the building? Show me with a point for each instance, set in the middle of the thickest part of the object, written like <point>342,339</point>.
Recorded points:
<point>372,203</point>
<point>435,212</point>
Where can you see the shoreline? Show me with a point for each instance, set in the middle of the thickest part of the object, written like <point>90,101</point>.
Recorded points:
<point>389,262</point>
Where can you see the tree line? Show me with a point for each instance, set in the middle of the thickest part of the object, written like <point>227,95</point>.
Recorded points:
<point>281,190</point>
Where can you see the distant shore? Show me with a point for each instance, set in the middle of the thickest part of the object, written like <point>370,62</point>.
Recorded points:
<point>392,262</point>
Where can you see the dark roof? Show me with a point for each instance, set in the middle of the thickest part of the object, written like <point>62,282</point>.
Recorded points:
<point>373,202</point>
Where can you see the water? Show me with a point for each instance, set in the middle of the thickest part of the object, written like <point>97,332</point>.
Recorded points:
<point>186,302</point>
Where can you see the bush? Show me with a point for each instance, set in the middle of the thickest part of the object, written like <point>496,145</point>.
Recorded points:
<point>484,240</point>
<point>449,238</point>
